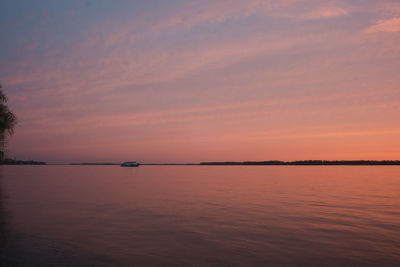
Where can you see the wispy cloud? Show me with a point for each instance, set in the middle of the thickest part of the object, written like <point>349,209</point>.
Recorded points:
<point>324,13</point>
<point>386,25</point>
<point>211,12</point>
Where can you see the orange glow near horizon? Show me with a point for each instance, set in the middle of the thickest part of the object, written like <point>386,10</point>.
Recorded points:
<point>212,81</point>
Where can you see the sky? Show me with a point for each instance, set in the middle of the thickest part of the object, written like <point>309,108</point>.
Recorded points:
<point>191,81</point>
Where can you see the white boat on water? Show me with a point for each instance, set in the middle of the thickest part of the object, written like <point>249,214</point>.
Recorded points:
<point>130,164</point>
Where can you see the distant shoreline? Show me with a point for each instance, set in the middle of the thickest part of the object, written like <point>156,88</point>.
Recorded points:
<point>272,163</point>
<point>229,163</point>
<point>21,162</point>
<point>312,162</point>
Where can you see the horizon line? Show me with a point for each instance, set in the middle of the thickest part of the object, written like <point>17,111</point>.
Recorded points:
<point>267,162</point>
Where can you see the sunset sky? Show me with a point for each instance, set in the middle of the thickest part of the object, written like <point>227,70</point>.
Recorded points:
<point>191,81</point>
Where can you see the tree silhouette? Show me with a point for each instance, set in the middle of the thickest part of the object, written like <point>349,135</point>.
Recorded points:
<point>7,119</point>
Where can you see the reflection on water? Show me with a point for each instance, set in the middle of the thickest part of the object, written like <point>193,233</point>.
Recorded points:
<point>3,222</point>
<point>7,253</point>
<point>204,215</point>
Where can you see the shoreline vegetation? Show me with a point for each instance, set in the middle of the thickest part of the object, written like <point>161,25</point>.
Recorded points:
<point>21,162</point>
<point>8,120</point>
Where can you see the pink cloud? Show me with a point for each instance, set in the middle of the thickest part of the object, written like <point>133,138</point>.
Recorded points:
<point>386,25</point>
<point>324,13</point>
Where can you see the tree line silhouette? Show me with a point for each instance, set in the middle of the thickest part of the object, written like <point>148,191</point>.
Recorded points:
<point>8,120</point>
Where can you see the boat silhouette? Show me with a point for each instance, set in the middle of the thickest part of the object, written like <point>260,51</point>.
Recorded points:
<point>130,164</point>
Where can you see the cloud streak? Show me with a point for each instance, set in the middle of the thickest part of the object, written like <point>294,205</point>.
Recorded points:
<point>325,13</point>
<point>386,25</point>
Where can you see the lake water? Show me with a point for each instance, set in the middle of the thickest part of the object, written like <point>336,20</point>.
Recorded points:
<point>200,215</point>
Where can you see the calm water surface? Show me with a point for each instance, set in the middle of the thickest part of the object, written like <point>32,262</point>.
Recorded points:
<point>200,215</point>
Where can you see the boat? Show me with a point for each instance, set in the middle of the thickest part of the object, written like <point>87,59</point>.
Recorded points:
<point>130,164</point>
